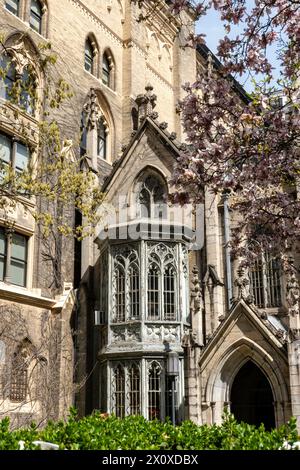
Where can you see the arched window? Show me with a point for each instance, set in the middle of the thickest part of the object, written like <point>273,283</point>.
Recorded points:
<point>120,301</point>
<point>19,372</point>
<point>153,292</point>
<point>152,198</point>
<point>154,392</point>
<point>36,16</point>
<point>120,391</point>
<point>89,57</point>
<point>102,139</point>
<point>134,291</point>
<point>169,294</point>
<point>13,6</point>
<point>134,390</point>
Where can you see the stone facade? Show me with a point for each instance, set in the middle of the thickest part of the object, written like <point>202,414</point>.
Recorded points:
<point>161,328</point>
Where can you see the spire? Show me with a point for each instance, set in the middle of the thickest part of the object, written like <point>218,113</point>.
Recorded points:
<point>146,103</point>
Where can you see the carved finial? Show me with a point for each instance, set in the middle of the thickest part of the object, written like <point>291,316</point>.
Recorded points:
<point>146,103</point>
<point>293,294</point>
<point>243,284</point>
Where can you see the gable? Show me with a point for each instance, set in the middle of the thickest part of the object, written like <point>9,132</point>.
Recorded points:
<point>151,148</point>
<point>243,323</point>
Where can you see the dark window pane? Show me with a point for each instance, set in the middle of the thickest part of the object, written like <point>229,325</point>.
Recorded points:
<point>2,254</point>
<point>105,71</point>
<point>36,16</point>
<point>13,6</point>
<point>102,140</point>
<point>88,57</point>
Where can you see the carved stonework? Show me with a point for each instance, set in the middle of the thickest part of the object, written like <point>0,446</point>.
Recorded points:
<point>196,291</point>
<point>153,334</point>
<point>146,103</point>
<point>243,284</point>
<point>293,294</point>
<point>161,333</point>
<point>19,57</point>
<point>93,111</point>
<point>126,333</point>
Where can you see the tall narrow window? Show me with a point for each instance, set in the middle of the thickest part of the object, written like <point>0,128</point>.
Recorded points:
<point>134,390</point>
<point>36,15</point>
<point>153,293</point>
<point>154,392</point>
<point>13,257</point>
<point>120,305</point>
<point>120,391</point>
<point>169,294</point>
<point>88,57</point>
<point>7,83</point>
<point>134,291</point>
<point>265,282</point>
<point>13,6</point>
<point>102,140</point>
<point>145,203</point>
<point>106,73</point>
<point>18,261</point>
<point>3,242</point>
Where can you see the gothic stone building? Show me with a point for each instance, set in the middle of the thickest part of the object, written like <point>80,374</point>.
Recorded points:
<point>150,297</point>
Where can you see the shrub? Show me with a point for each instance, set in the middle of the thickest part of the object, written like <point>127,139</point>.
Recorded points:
<point>102,432</point>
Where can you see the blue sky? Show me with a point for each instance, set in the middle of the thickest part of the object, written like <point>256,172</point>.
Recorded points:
<point>212,26</point>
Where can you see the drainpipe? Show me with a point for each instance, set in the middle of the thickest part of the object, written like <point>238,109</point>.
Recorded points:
<point>227,250</point>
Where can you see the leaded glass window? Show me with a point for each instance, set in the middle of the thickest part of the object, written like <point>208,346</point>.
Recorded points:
<point>169,294</point>
<point>153,292</point>
<point>265,282</point>
<point>154,391</point>
<point>152,198</point>
<point>119,391</point>
<point>134,390</point>
<point>120,295</point>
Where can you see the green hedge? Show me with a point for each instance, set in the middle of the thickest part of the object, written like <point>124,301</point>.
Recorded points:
<point>101,432</point>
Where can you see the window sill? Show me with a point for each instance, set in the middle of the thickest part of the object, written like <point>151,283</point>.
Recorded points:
<point>25,296</point>
<point>25,23</point>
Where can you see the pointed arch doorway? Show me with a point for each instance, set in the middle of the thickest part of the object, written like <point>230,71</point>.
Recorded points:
<point>251,397</point>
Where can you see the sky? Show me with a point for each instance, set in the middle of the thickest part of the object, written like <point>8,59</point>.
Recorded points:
<point>212,26</point>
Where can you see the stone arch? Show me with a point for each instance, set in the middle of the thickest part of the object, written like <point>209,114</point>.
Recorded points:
<point>24,56</point>
<point>219,383</point>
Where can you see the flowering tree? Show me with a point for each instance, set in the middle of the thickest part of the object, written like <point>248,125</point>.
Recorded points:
<point>249,148</point>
